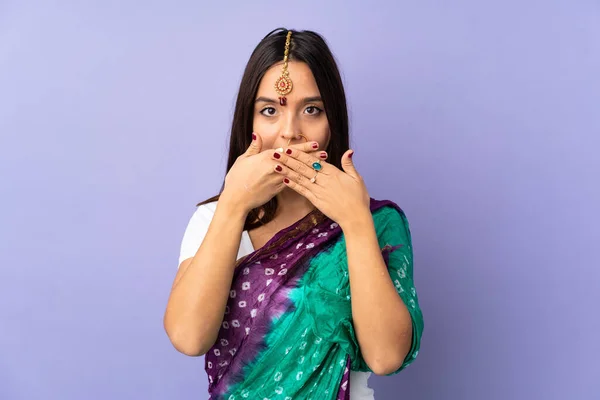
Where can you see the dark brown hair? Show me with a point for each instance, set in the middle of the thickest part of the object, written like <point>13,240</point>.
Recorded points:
<point>308,47</point>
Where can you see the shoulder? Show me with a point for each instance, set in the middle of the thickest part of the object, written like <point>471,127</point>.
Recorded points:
<point>389,219</point>
<point>202,217</point>
<point>196,230</point>
<point>205,212</point>
<point>386,210</point>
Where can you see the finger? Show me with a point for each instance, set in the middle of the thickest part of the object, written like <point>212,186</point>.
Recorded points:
<point>300,188</point>
<point>291,174</point>
<point>322,155</point>
<point>255,146</point>
<point>309,160</point>
<point>293,164</point>
<point>348,164</point>
<point>306,147</point>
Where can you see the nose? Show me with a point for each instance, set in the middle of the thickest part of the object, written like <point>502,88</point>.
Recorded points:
<point>290,129</point>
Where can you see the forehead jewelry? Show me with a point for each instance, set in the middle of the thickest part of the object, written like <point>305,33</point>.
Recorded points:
<point>283,84</point>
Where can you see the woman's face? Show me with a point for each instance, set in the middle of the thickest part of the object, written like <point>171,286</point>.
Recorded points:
<point>303,114</point>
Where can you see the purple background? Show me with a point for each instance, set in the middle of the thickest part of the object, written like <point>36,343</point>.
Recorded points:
<point>481,119</point>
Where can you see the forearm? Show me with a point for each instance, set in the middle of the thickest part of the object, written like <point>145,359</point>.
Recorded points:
<point>382,322</point>
<point>199,295</point>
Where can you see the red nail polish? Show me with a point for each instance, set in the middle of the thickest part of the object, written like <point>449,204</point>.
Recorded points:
<point>315,145</point>
<point>277,155</point>
<point>278,168</point>
<point>350,155</point>
<point>286,180</point>
<point>288,151</point>
<point>253,136</point>
<point>323,154</point>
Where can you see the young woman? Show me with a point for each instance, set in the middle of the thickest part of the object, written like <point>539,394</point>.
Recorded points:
<point>293,282</point>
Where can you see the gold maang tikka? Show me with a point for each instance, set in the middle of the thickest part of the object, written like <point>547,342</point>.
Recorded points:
<point>283,85</point>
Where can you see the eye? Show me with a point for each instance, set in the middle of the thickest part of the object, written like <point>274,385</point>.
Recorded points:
<point>313,110</point>
<point>268,111</point>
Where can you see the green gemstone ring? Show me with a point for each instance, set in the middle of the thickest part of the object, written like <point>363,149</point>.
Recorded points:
<point>317,166</point>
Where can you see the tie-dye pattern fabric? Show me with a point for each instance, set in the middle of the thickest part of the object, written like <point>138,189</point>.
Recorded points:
<point>287,331</point>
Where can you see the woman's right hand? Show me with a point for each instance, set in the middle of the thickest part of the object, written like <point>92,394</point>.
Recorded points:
<point>252,180</point>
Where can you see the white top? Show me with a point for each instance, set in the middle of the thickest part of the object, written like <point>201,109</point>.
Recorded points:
<point>194,234</point>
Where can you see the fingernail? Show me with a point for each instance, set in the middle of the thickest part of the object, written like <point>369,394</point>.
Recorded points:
<point>315,145</point>
<point>323,154</point>
<point>277,155</point>
<point>288,151</point>
<point>278,168</point>
<point>286,180</point>
<point>351,154</point>
<point>253,136</point>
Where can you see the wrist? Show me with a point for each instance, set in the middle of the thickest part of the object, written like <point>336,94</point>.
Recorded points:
<point>232,206</point>
<point>359,222</point>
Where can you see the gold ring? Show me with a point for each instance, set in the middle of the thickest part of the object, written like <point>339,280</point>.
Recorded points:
<point>314,178</point>
<point>301,135</point>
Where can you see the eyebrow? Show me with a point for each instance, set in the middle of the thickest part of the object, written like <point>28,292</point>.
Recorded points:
<point>312,99</point>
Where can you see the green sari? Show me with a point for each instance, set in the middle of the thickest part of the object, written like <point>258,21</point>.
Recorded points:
<point>287,332</point>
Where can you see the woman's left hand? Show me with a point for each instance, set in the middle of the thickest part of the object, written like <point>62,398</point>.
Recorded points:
<point>340,195</point>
